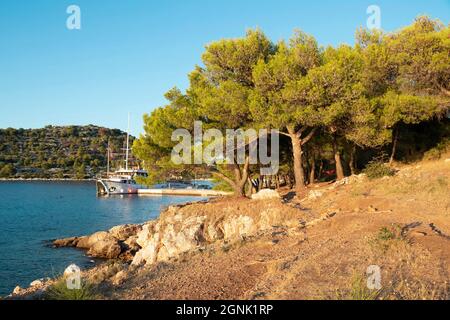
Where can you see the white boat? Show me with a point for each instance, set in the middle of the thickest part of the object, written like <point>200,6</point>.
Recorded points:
<point>122,181</point>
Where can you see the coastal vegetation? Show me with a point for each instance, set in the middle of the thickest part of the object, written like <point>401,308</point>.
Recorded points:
<point>317,247</point>
<point>75,152</point>
<point>60,291</point>
<point>337,109</point>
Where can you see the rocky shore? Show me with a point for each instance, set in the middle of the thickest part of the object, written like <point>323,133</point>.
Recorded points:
<point>184,228</point>
<point>180,230</point>
<point>314,247</point>
<point>46,180</point>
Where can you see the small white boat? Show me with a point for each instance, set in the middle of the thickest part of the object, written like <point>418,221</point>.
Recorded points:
<point>121,182</point>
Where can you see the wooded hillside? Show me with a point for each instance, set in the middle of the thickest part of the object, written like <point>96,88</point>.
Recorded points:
<point>58,152</point>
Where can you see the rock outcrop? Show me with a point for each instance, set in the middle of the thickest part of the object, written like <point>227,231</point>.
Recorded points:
<point>118,242</point>
<point>178,232</point>
<point>181,229</point>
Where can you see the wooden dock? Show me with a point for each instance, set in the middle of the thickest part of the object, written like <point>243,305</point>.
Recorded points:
<point>183,192</point>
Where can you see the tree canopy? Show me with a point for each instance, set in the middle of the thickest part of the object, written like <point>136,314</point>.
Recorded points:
<point>328,103</point>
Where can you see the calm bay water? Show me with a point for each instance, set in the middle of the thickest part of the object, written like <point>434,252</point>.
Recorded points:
<point>33,213</point>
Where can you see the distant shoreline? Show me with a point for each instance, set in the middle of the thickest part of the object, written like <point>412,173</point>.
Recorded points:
<point>45,180</point>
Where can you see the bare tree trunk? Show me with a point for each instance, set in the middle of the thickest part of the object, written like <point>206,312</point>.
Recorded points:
<point>353,160</point>
<point>312,174</point>
<point>337,158</point>
<point>299,172</point>
<point>320,170</point>
<point>394,146</point>
<point>241,178</point>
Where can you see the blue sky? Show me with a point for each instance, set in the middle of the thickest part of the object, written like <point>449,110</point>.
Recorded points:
<point>129,53</point>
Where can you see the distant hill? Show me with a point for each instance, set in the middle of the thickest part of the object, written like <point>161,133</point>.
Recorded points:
<point>59,151</point>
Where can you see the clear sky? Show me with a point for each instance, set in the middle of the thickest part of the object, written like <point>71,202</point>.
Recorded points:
<point>129,53</point>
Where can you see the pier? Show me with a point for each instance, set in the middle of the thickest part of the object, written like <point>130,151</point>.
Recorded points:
<point>183,192</point>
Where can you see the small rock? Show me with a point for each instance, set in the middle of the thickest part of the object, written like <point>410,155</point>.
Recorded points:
<point>17,290</point>
<point>266,194</point>
<point>315,194</point>
<point>372,209</point>
<point>119,278</point>
<point>37,283</point>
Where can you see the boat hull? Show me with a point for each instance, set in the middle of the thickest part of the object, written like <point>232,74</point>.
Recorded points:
<point>105,187</point>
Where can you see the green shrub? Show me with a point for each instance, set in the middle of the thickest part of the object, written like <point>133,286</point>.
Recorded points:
<point>358,290</point>
<point>386,234</point>
<point>386,237</point>
<point>376,170</point>
<point>59,291</point>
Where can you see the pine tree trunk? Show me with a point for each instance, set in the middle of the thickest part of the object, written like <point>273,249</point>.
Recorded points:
<point>353,160</point>
<point>239,190</point>
<point>312,174</point>
<point>299,172</point>
<point>394,146</point>
<point>320,170</point>
<point>337,158</point>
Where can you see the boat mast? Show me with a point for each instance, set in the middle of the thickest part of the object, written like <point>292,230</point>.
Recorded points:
<point>128,138</point>
<point>107,163</point>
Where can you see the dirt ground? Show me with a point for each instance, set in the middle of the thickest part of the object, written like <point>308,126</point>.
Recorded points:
<point>400,223</point>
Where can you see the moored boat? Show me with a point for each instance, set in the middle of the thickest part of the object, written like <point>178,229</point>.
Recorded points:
<point>121,182</point>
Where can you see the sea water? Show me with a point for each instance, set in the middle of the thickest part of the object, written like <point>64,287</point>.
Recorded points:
<point>34,213</point>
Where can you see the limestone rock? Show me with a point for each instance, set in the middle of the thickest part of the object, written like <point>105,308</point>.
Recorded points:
<point>88,241</point>
<point>315,194</point>
<point>37,283</point>
<point>239,226</point>
<point>67,242</point>
<point>146,233</point>
<point>119,278</point>
<point>17,290</point>
<point>131,244</point>
<point>266,194</point>
<point>122,233</point>
<point>148,253</point>
<point>268,219</point>
<point>108,248</point>
<point>174,243</point>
